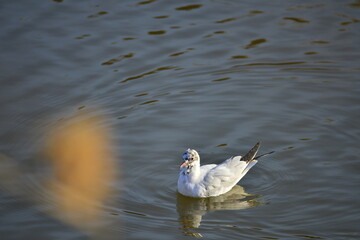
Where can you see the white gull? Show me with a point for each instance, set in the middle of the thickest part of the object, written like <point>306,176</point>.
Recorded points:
<point>213,180</point>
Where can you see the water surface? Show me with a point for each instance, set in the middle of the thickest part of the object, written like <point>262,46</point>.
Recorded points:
<point>216,76</point>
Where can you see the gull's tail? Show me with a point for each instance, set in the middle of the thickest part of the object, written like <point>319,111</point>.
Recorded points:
<point>250,158</point>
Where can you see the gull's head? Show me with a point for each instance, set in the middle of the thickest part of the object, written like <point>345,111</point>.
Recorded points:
<point>190,158</point>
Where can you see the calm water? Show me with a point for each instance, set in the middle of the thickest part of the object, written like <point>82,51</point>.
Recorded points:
<point>217,76</point>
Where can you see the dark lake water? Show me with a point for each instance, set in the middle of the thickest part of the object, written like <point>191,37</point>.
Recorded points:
<point>216,76</point>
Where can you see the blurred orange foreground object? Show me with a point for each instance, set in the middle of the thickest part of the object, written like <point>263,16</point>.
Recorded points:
<point>83,169</point>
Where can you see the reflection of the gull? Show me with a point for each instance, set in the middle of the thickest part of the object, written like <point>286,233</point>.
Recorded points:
<point>191,210</point>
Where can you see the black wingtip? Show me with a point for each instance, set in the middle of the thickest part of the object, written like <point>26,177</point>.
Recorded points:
<point>251,154</point>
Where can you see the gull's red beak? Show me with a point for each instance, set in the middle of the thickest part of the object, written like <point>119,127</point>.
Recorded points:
<point>184,164</point>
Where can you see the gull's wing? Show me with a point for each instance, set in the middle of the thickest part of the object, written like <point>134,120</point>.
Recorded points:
<point>228,173</point>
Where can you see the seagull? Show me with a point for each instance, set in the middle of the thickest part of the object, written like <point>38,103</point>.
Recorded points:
<point>212,180</point>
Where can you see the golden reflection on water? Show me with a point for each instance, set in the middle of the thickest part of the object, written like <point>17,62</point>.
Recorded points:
<point>83,167</point>
<point>191,210</point>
